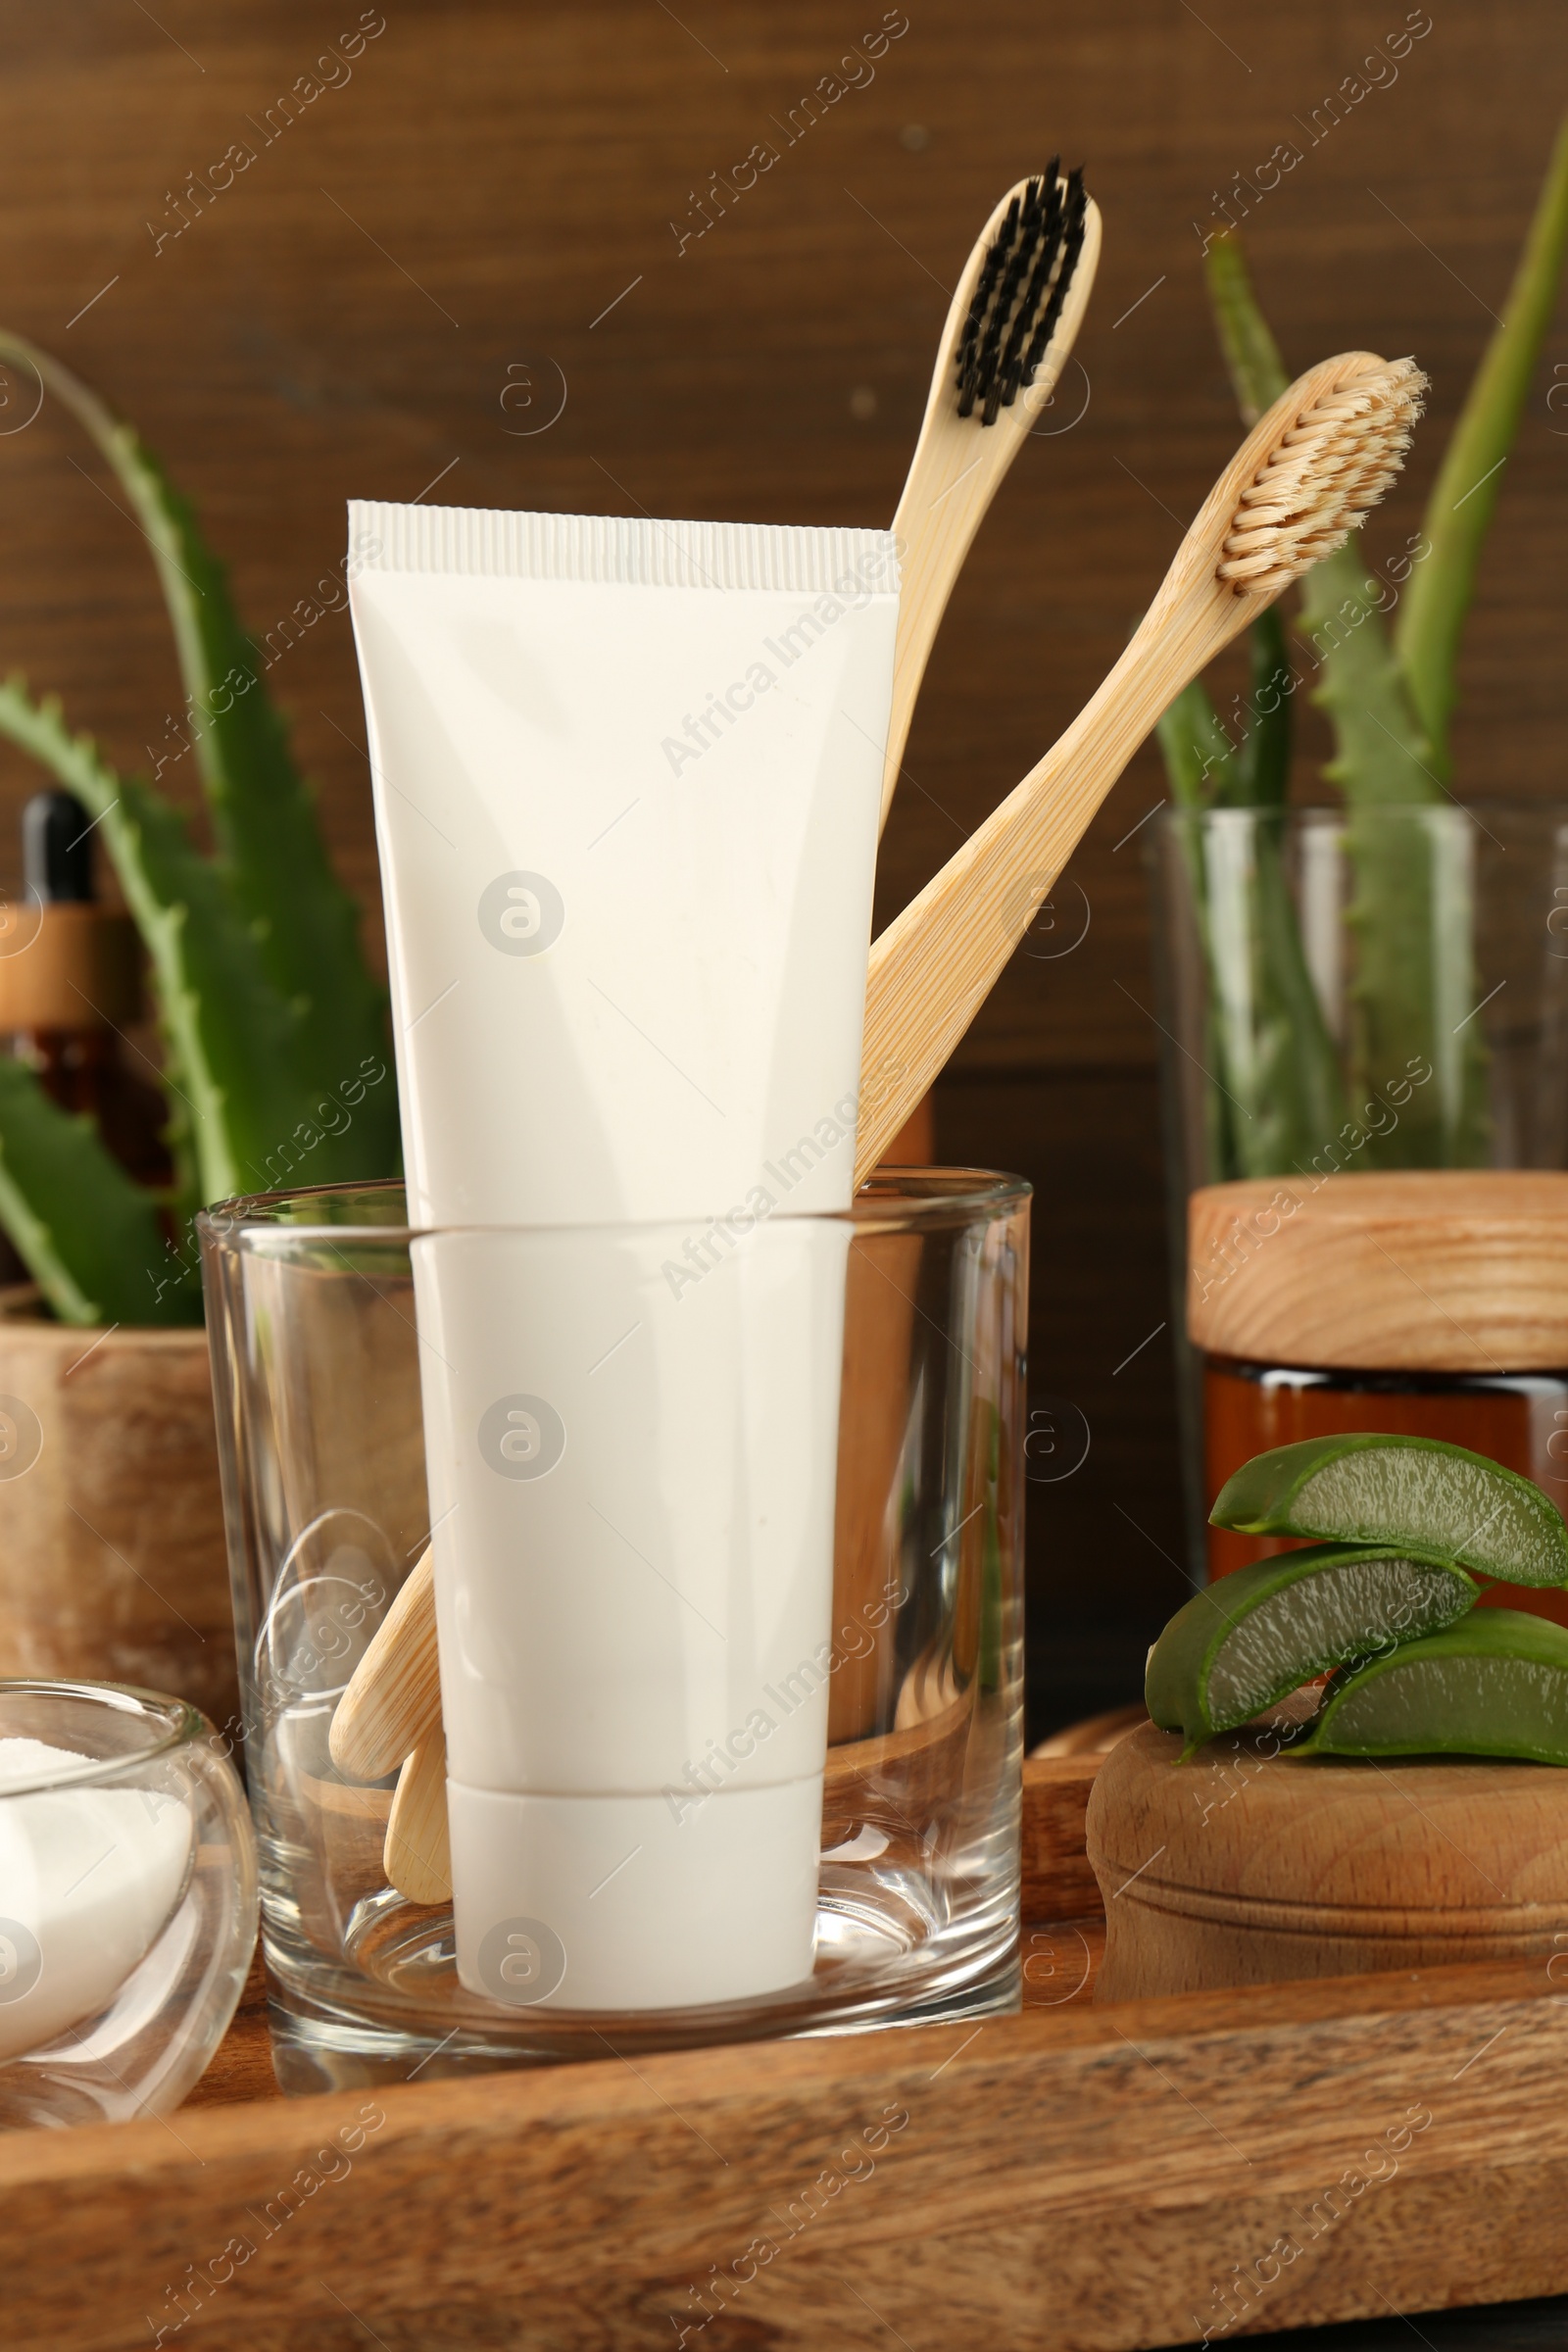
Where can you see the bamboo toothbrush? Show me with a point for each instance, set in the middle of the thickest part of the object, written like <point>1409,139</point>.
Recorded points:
<point>1012,321</point>
<point>1305,478</point>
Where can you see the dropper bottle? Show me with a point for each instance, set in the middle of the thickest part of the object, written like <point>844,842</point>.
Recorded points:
<point>71,988</point>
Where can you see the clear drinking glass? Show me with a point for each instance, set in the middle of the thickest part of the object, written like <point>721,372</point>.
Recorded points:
<point>317,1359</point>
<point>127,1901</point>
<point>1340,990</point>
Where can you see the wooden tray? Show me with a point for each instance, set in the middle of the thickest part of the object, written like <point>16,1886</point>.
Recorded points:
<point>1071,2179</point>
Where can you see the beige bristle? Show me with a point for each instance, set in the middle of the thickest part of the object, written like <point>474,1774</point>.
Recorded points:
<point>1322,478</point>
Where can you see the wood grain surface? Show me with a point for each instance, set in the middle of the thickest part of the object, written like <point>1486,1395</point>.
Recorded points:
<point>112,1559</point>
<point>1437,1270</point>
<point>1071,2180</point>
<point>341,321</point>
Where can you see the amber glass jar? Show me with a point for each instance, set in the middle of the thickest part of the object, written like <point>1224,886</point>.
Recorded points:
<point>1431,1305</point>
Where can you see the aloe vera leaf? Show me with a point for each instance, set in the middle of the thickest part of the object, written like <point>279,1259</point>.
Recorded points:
<point>1413,959</point>
<point>1276,1100</point>
<point>1198,755</point>
<point>1414,994</point>
<point>1435,1501</point>
<point>230,1030</point>
<point>1494,1685</point>
<point>1196,747</point>
<point>1465,493</point>
<point>1381,749</point>
<point>1264,755</point>
<point>88,1234</point>
<point>1278,1049</point>
<point>1251,356</point>
<point>1207,768</point>
<point>1414,979</point>
<point>305,922</point>
<point>1249,1639</point>
<point>1379,736</point>
<point>1274,1057</point>
<point>1257,377</point>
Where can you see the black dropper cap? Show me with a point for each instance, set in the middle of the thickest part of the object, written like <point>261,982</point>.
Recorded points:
<point>57,849</point>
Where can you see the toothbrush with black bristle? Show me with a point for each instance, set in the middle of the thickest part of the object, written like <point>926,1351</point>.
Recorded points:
<point>1009,328</point>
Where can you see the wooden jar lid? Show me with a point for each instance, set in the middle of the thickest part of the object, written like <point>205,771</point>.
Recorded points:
<point>68,967</point>
<point>1429,1271</point>
<point>1240,1866</point>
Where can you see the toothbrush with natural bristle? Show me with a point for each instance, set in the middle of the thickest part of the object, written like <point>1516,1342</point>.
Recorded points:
<point>1008,331</point>
<point>1305,476</point>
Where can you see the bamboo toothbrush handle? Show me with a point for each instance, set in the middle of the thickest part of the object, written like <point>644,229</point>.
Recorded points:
<point>933,966</point>
<point>418,1854</point>
<point>393,1700</point>
<point>930,559</point>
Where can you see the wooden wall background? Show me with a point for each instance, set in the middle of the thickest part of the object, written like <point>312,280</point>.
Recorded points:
<point>488,177</point>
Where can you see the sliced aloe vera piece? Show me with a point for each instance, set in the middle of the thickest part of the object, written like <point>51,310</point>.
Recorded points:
<point>1495,1686</point>
<point>1249,1639</point>
<point>1436,1501</point>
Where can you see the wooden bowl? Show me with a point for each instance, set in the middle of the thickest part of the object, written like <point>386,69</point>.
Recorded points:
<point>1242,1867</point>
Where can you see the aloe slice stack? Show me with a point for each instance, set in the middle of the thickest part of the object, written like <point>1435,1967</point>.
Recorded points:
<point>1384,1606</point>
<point>1244,1644</point>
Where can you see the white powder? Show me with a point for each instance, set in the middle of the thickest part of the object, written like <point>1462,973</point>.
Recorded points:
<point>88,1877</point>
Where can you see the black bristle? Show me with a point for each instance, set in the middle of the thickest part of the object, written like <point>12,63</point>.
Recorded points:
<point>1018,296</point>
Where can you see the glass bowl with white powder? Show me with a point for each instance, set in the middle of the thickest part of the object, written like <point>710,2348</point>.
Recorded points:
<point>127,1901</point>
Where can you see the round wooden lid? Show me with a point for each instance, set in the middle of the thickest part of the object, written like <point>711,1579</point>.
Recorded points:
<point>1434,1270</point>
<point>1327,1839</point>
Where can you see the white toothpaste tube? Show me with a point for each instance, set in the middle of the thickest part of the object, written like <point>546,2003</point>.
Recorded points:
<point>626,783</point>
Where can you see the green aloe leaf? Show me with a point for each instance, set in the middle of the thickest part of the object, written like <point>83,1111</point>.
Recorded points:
<point>230,1035</point>
<point>1435,1501</point>
<point>1411,910</point>
<point>305,923</point>
<point>1381,749</point>
<point>1197,750</point>
<point>1252,358</point>
<point>1264,756</point>
<point>1248,1640</point>
<point>90,1237</point>
<point>1276,1100</point>
<point>1494,1685</point>
<point>1275,1058</point>
<point>1414,992</point>
<point>1470,477</point>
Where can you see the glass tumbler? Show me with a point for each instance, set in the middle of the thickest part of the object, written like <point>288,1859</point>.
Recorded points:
<point>127,1901</point>
<point>883,1434</point>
